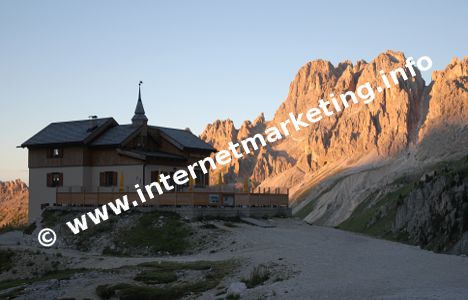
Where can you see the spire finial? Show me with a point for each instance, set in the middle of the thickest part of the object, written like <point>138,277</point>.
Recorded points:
<point>139,90</point>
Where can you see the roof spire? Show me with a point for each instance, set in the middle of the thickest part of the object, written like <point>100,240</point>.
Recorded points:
<point>139,118</point>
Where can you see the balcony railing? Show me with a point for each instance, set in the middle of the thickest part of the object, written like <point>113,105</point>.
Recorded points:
<point>212,196</point>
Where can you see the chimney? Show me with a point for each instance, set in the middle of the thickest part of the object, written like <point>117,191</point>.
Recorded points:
<point>92,123</point>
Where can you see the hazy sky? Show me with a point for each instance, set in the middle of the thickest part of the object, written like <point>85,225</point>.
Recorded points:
<point>199,60</point>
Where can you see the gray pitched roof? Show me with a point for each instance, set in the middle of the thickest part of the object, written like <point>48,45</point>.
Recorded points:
<point>72,132</point>
<point>115,135</point>
<point>184,139</point>
<point>108,133</point>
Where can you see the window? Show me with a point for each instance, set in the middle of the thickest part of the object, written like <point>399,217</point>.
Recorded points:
<point>154,176</point>
<point>170,180</point>
<point>55,152</point>
<point>108,179</point>
<point>202,179</point>
<point>54,179</point>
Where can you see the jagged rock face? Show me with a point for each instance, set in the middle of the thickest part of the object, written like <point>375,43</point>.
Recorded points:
<point>269,164</point>
<point>440,135</point>
<point>435,213</point>
<point>445,128</point>
<point>13,203</point>
<point>219,134</point>
<point>405,128</point>
<point>257,166</point>
<point>384,126</point>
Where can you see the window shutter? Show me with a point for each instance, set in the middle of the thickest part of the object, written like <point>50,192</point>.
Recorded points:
<point>154,176</point>
<point>49,179</point>
<point>114,178</point>
<point>102,179</point>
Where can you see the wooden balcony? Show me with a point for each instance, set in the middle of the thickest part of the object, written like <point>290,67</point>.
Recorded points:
<point>208,198</point>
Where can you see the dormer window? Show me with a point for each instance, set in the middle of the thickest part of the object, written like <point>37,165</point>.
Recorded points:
<point>55,152</point>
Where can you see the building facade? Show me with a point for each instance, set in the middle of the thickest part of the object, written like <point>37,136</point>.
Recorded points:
<point>99,155</point>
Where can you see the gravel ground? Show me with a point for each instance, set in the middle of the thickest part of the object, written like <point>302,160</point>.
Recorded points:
<point>334,264</point>
<point>321,263</point>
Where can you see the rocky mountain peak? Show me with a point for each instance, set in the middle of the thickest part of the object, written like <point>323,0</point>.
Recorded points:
<point>13,202</point>
<point>409,120</point>
<point>220,133</point>
<point>11,187</point>
<point>259,120</point>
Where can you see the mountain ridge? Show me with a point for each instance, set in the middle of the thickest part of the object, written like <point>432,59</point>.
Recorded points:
<point>14,196</point>
<point>400,131</point>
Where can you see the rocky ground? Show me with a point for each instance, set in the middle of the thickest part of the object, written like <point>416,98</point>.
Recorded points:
<point>291,260</point>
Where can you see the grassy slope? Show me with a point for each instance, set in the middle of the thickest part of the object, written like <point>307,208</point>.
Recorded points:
<point>172,236</point>
<point>376,216</point>
<point>155,230</point>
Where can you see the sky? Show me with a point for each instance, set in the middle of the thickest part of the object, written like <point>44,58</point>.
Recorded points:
<point>199,60</point>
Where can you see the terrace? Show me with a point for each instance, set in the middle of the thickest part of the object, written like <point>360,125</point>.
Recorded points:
<point>219,196</point>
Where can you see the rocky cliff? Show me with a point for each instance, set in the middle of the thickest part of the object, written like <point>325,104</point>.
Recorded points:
<point>333,166</point>
<point>428,209</point>
<point>13,203</point>
<point>265,163</point>
<point>435,213</point>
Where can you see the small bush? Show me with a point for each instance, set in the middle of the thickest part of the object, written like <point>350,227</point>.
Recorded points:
<point>107,291</point>
<point>6,260</point>
<point>259,275</point>
<point>50,218</point>
<point>111,252</point>
<point>209,226</point>
<point>30,229</point>
<point>156,277</point>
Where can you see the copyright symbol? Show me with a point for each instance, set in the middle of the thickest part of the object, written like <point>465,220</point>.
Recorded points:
<point>47,237</point>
